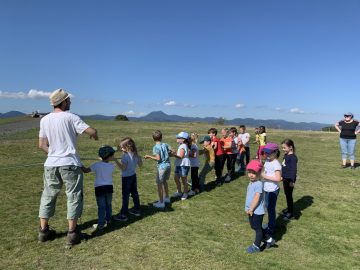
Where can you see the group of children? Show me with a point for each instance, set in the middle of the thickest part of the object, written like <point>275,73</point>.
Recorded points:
<point>231,149</point>
<point>264,187</point>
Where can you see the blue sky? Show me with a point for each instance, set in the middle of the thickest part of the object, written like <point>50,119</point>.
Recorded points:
<point>295,60</point>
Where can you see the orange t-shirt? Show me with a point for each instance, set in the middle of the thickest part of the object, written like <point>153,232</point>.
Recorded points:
<point>227,143</point>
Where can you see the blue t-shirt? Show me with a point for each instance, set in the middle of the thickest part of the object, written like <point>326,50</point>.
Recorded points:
<point>162,149</point>
<point>255,187</point>
<point>131,162</point>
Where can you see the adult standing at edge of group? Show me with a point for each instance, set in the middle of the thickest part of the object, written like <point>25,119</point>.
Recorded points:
<point>348,130</point>
<point>58,138</point>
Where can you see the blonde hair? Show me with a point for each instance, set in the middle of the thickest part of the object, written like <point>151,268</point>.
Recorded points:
<point>129,145</point>
<point>194,137</point>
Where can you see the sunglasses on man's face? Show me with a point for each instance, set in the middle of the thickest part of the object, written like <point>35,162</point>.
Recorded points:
<point>347,115</point>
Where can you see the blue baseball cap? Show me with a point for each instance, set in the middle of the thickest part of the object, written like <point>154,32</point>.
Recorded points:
<point>182,135</point>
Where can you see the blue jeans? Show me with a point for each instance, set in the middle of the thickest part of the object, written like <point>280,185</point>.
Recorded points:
<point>348,148</point>
<point>270,203</point>
<point>104,208</point>
<point>129,186</point>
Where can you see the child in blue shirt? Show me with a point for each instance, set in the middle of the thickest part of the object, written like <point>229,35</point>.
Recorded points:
<point>254,203</point>
<point>161,156</point>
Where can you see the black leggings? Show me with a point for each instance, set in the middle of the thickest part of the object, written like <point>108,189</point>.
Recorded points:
<point>256,225</point>
<point>218,167</point>
<point>288,193</point>
<point>195,178</point>
<point>230,160</point>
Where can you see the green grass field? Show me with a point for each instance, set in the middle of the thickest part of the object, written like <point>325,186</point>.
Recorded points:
<point>208,231</point>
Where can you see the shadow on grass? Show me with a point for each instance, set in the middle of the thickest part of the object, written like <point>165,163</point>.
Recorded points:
<point>299,205</point>
<point>146,211</point>
<point>209,186</point>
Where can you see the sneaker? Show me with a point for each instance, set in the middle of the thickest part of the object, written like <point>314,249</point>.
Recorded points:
<point>288,217</point>
<point>135,212</point>
<point>227,179</point>
<point>46,234</point>
<point>121,218</point>
<point>270,242</point>
<point>191,193</point>
<point>98,227</point>
<point>184,197</point>
<point>177,194</point>
<point>253,249</point>
<point>73,237</point>
<point>343,166</point>
<point>160,205</point>
<point>284,211</point>
<point>167,200</point>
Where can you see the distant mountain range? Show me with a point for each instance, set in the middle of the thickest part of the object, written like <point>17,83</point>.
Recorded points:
<point>11,114</point>
<point>159,116</point>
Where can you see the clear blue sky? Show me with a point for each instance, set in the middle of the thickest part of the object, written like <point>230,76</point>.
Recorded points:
<point>296,60</point>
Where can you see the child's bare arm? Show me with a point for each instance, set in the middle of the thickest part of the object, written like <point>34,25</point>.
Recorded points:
<point>181,154</point>
<point>119,164</point>
<point>155,157</point>
<point>85,169</point>
<point>254,203</point>
<point>140,163</point>
<point>275,178</point>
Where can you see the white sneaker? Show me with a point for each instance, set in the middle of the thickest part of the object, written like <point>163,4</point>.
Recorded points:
<point>177,194</point>
<point>159,204</point>
<point>184,197</point>
<point>228,178</point>
<point>167,200</point>
<point>191,193</point>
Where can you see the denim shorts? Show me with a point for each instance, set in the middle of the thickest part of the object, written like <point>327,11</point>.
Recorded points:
<point>182,171</point>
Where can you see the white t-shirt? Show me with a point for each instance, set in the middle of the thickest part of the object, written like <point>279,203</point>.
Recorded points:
<point>234,144</point>
<point>104,172</point>
<point>195,161</point>
<point>269,169</point>
<point>245,138</point>
<point>61,130</point>
<point>185,161</point>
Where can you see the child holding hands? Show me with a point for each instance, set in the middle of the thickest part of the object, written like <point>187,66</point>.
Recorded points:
<point>129,161</point>
<point>161,156</point>
<point>103,185</point>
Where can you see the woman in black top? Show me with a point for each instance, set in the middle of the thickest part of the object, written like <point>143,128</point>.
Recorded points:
<point>348,130</point>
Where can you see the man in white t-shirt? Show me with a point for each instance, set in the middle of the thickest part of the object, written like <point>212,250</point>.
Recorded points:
<point>58,138</point>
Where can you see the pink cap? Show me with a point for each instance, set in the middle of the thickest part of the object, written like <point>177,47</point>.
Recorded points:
<point>254,165</point>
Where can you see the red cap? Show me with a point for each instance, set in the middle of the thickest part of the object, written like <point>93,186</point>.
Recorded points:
<point>254,165</point>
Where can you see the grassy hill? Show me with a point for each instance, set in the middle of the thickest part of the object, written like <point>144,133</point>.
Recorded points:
<point>208,231</point>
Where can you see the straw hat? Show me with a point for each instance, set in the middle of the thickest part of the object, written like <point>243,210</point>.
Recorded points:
<point>58,96</point>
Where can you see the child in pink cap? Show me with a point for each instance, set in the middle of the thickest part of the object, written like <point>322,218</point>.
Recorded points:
<point>254,203</point>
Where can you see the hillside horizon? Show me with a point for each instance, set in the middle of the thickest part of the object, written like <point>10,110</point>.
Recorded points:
<point>160,116</point>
